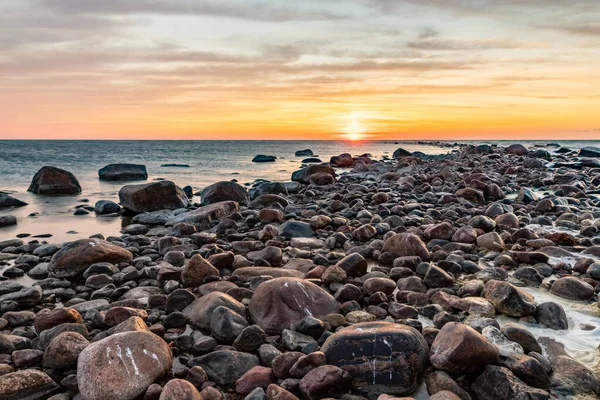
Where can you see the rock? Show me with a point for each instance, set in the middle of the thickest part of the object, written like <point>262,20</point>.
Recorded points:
<point>522,336</point>
<point>104,207</point>
<point>440,381</point>
<point>499,383</point>
<point>226,325</point>
<point>401,153</point>
<point>490,241</point>
<point>123,172</point>
<point>275,392</point>
<point>508,299</point>
<point>551,315</point>
<point>63,350</point>
<point>152,197</point>
<point>122,365</point>
<point>323,382</point>
<point>295,229</point>
<point>199,313</point>
<point>25,298</point>
<point>304,153</point>
<point>406,244</point>
<point>7,220</point>
<point>224,366</point>
<point>303,175</point>
<point>460,349</point>
<point>321,179</point>
<point>529,370</point>
<point>224,191</point>
<point>9,201</point>
<point>261,158</point>
<point>75,257</point>
<point>52,181</point>
<point>572,288</point>
<point>47,319</point>
<point>437,278</point>
<point>196,270</point>
<point>204,216</point>
<point>381,357</point>
<point>589,151</point>
<point>343,160</point>
<point>28,384</point>
<point>179,389</point>
<point>278,302</point>
<point>353,265</point>
<point>517,149</point>
<point>256,377</point>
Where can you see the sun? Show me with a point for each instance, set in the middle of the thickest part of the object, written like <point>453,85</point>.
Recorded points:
<point>354,129</point>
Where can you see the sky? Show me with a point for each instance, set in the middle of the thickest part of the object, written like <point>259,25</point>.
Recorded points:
<point>311,69</point>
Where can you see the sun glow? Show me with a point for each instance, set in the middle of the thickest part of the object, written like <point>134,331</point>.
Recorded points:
<point>354,129</point>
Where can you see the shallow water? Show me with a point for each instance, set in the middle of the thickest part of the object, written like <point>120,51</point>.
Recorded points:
<point>209,162</point>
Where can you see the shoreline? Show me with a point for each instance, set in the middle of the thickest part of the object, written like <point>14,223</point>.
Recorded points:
<point>266,291</point>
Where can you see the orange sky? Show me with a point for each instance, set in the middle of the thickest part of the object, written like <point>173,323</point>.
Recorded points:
<point>327,69</point>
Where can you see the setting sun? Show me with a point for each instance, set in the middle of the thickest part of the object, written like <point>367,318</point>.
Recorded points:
<point>354,129</point>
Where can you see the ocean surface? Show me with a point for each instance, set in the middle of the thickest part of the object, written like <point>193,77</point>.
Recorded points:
<point>209,162</point>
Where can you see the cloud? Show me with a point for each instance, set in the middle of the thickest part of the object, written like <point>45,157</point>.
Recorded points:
<point>592,29</point>
<point>247,9</point>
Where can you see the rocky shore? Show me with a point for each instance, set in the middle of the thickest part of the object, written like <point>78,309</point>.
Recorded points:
<point>358,279</point>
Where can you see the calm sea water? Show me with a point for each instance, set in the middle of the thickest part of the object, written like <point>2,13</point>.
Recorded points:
<point>209,161</point>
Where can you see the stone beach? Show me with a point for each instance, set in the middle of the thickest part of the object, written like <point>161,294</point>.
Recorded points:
<point>447,277</point>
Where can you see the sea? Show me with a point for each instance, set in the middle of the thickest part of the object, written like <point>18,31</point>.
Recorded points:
<point>208,161</point>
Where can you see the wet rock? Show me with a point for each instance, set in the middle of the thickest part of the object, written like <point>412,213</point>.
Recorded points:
<point>196,270</point>
<point>9,201</point>
<point>499,383</point>
<point>104,207</point>
<point>295,229</point>
<point>460,349</point>
<point>75,257</point>
<point>224,191</point>
<point>261,158</point>
<point>278,302</point>
<point>152,197</point>
<point>27,384</point>
<point>343,160</point>
<point>7,220</point>
<point>303,175</point>
<point>505,347</point>
<point>25,298</point>
<point>551,315</point>
<point>381,357</point>
<point>63,350</point>
<point>572,288</point>
<point>522,336</point>
<point>52,181</point>
<point>589,151</point>
<point>529,370</point>
<point>122,365</point>
<point>204,216</point>
<point>123,172</point>
<point>353,265</point>
<point>508,299</point>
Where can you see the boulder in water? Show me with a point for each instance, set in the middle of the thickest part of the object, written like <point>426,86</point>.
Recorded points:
<point>9,201</point>
<point>589,151</point>
<point>304,153</point>
<point>343,160</point>
<point>263,158</point>
<point>152,197</point>
<point>123,172</point>
<point>52,181</point>
<point>401,153</point>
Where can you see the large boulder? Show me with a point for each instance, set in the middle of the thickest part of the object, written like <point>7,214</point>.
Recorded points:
<point>571,288</point>
<point>401,153</point>
<point>406,244</point>
<point>303,175</point>
<point>28,384</point>
<point>9,201</point>
<point>343,160</point>
<point>278,302</point>
<point>199,313</point>
<point>152,197</point>
<point>75,257</point>
<point>52,181</point>
<point>224,191</point>
<point>509,299</point>
<point>589,151</point>
<point>460,349</point>
<point>123,172</point>
<point>381,357</point>
<point>122,366</point>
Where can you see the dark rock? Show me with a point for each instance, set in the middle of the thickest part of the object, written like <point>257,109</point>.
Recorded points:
<point>508,299</point>
<point>326,381</point>
<point>572,288</point>
<point>152,197</point>
<point>224,366</point>
<point>224,191</point>
<point>9,201</point>
<point>27,384</point>
<point>123,172</point>
<point>551,315</point>
<point>52,181</point>
<point>381,357</point>
<point>498,383</point>
<point>293,229</point>
<point>104,207</point>
<point>199,313</point>
<point>261,158</point>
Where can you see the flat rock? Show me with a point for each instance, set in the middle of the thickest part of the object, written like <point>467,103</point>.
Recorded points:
<point>75,257</point>
<point>152,197</point>
<point>123,172</point>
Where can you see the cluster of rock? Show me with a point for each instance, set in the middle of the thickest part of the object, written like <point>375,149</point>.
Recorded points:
<point>356,286</point>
